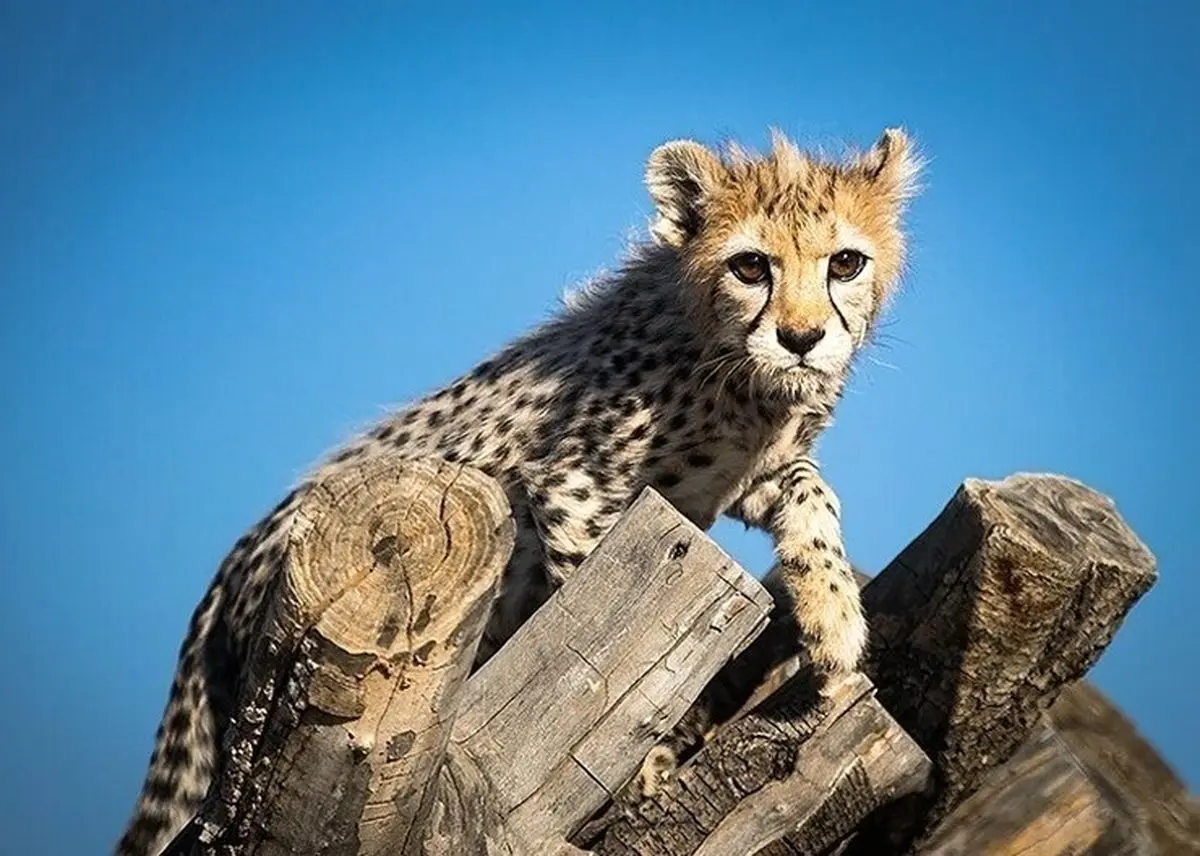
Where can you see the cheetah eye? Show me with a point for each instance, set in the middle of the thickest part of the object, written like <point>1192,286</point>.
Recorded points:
<point>750,268</point>
<point>845,265</point>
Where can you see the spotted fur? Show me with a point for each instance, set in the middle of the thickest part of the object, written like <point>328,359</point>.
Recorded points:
<point>670,372</point>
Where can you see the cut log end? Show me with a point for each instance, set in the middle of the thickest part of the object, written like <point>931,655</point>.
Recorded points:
<point>359,731</point>
<point>1066,519</point>
<point>354,680</point>
<point>381,551</point>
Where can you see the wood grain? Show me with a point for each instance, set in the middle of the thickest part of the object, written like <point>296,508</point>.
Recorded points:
<point>811,768</point>
<point>359,730</point>
<point>354,680</point>
<point>1083,782</point>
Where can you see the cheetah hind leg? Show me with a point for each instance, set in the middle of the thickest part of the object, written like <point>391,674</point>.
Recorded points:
<point>657,772</point>
<point>659,769</point>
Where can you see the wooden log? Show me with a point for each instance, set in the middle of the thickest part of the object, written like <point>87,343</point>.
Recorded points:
<point>562,716</point>
<point>795,764</point>
<point>1119,761</point>
<point>356,733</point>
<point>357,674</point>
<point>1039,803</point>
<point>1084,781</point>
<point>1010,594</point>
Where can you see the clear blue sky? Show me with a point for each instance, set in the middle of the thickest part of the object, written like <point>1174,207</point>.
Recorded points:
<point>230,233</point>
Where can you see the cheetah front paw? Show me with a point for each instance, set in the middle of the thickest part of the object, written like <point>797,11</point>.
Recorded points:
<point>829,615</point>
<point>837,639</point>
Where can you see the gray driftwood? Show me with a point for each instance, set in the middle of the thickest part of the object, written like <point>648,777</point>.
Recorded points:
<point>357,731</point>
<point>564,713</point>
<point>1007,597</point>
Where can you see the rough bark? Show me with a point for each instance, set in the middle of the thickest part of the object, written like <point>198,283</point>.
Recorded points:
<point>1009,595</point>
<point>812,767</point>
<point>342,742</point>
<point>357,674</point>
<point>1039,802</point>
<point>359,732</point>
<point>1119,760</point>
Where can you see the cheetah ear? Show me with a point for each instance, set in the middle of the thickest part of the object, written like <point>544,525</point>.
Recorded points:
<point>893,166</point>
<point>680,175</point>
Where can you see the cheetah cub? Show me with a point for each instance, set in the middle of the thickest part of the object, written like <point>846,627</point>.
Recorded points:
<point>705,366</point>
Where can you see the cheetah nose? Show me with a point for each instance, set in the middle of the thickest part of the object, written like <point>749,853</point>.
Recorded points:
<point>799,343</point>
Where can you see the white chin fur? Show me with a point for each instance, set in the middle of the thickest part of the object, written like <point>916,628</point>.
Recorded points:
<point>831,355</point>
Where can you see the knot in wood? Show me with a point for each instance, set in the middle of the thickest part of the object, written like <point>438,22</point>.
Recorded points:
<point>750,763</point>
<point>386,550</point>
<point>399,745</point>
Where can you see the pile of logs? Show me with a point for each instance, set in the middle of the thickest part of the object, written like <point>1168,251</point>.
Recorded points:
<point>361,729</point>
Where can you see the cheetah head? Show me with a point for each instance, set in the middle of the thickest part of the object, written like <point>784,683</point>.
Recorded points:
<point>789,258</point>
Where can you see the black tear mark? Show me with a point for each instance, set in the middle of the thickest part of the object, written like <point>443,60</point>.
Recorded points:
<point>679,550</point>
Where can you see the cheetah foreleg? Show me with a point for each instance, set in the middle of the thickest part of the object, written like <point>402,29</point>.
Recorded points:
<point>801,512</point>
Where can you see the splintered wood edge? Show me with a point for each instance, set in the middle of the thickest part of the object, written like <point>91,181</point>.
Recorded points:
<point>856,760</point>
<point>1057,547</point>
<point>1065,517</point>
<point>847,757</point>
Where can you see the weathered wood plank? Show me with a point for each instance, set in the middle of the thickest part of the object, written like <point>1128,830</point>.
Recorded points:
<point>1011,593</point>
<point>464,820</point>
<point>354,681</point>
<point>1120,761</point>
<point>795,764</point>
<point>1039,803</point>
<point>960,649</point>
<point>344,739</point>
<point>561,717</point>
<point>1084,781</point>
